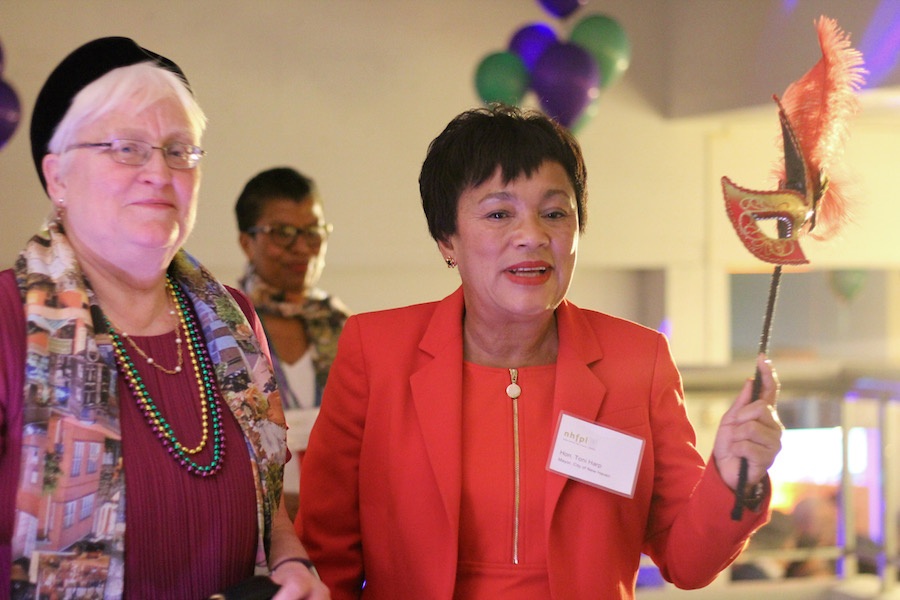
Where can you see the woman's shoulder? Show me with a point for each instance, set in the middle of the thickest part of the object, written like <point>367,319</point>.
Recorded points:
<point>8,279</point>
<point>12,337</point>
<point>402,316</point>
<point>11,305</point>
<point>243,301</point>
<point>328,302</point>
<point>600,321</point>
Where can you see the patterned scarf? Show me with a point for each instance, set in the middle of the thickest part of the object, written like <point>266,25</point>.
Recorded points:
<point>322,317</point>
<point>70,383</point>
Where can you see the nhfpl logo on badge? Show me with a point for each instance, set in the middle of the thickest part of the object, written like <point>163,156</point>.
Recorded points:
<point>596,455</point>
<point>580,440</point>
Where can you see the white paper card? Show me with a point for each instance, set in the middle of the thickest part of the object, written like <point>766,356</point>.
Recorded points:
<point>596,455</point>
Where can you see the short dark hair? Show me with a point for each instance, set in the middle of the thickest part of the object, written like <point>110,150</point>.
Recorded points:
<point>279,183</point>
<point>472,146</point>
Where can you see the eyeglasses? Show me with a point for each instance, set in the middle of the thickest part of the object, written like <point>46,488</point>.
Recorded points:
<point>137,153</point>
<point>286,235</point>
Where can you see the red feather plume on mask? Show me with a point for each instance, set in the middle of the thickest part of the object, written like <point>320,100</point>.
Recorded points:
<point>818,107</point>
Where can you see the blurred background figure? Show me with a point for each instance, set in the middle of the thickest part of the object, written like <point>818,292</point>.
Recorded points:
<point>777,534</point>
<point>815,520</point>
<point>284,235</point>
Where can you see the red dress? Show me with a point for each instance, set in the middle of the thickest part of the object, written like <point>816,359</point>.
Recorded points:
<point>502,550</point>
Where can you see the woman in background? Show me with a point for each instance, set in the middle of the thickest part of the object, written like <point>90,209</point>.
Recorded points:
<point>284,236</point>
<point>503,443</point>
<point>141,431</point>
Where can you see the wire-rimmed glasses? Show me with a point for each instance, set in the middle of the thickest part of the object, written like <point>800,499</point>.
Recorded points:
<point>137,153</point>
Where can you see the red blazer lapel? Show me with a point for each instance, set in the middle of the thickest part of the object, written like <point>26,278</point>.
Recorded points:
<point>578,390</point>
<point>437,397</point>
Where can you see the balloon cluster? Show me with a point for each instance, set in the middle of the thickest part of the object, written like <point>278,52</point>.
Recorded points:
<point>566,75</point>
<point>9,107</point>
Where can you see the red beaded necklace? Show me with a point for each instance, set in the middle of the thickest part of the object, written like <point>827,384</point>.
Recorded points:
<point>204,374</point>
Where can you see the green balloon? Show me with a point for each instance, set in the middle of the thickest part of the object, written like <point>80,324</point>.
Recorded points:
<point>502,77</point>
<point>847,283</point>
<point>607,42</point>
<point>589,113</point>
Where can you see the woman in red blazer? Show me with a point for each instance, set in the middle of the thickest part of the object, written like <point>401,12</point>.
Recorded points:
<point>504,443</point>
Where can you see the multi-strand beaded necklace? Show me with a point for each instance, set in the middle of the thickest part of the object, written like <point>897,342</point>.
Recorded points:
<point>210,399</point>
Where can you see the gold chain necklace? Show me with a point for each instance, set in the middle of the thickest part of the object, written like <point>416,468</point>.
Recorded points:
<point>179,337</point>
<point>210,405</point>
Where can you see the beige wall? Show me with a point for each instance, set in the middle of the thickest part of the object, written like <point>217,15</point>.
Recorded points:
<point>352,91</point>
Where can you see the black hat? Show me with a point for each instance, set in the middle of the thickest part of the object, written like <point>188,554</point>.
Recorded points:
<point>79,69</point>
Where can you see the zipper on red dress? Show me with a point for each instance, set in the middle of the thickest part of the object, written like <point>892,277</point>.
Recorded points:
<point>513,390</point>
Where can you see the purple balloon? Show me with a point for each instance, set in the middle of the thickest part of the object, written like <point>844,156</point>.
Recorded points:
<point>9,112</point>
<point>565,79</point>
<point>530,41</point>
<point>561,8</point>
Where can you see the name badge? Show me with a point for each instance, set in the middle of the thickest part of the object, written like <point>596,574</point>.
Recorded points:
<point>596,455</point>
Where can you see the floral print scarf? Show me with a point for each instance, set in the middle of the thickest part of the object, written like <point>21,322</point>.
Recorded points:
<point>71,381</point>
<point>322,317</point>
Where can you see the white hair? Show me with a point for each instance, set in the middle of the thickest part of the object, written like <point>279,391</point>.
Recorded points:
<point>141,85</point>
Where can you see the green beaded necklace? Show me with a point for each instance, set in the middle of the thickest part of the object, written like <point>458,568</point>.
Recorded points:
<point>210,399</point>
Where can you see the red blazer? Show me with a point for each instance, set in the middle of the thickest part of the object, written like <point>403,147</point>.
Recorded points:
<point>380,488</point>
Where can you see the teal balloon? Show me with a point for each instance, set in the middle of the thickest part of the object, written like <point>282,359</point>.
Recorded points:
<point>607,42</point>
<point>502,77</point>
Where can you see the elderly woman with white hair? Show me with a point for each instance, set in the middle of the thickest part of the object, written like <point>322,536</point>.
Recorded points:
<point>142,439</point>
